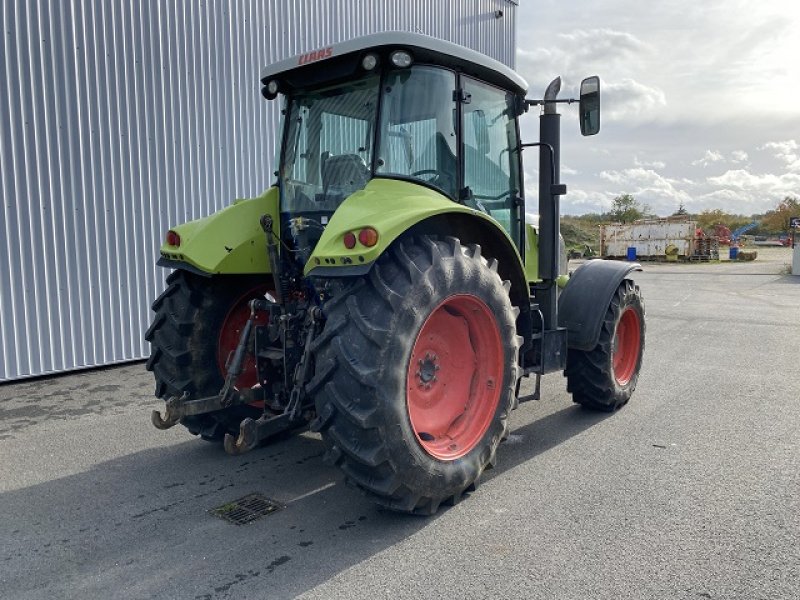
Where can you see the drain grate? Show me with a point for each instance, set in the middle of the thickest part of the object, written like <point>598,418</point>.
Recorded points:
<point>246,510</point>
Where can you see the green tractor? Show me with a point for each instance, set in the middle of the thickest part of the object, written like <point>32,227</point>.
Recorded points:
<point>388,290</point>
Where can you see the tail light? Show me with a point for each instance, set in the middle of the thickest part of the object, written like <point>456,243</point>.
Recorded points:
<point>173,239</point>
<point>368,237</point>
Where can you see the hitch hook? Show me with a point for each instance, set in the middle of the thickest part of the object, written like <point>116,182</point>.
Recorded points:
<point>245,441</point>
<point>172,414</point>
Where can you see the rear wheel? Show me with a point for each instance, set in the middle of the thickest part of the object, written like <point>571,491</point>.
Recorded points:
<point>416,371</point>
<point>197,325</point>
<point>605,377</point>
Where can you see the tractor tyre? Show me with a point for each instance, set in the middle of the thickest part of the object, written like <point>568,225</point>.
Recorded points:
<point>196,326</point>
<point>416,372</point>
<point>604,378</point>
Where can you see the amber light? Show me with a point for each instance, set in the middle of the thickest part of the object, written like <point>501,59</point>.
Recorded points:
<point>173,239</point>
<point>349,240</point>
<point>368,237</point>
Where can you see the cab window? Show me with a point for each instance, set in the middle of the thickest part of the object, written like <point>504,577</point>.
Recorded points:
<point>418,127</point>
<point>489,150</point>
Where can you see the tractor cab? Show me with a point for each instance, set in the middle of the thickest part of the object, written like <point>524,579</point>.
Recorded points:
<point>400,106</point>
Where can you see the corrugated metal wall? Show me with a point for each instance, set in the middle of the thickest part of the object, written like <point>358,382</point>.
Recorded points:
<point>121,118</point>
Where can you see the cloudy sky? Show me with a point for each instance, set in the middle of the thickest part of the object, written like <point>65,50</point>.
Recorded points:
<point>701,100</point>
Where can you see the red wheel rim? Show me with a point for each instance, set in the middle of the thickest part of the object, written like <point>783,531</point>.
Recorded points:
<point>627,345</point>
<point>455,377</point>
<point>229,333</point>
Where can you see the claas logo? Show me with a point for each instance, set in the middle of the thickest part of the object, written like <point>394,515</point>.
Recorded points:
<point>315,55</point>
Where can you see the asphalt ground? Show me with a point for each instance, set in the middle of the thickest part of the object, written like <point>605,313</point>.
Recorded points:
<point>691,491</point>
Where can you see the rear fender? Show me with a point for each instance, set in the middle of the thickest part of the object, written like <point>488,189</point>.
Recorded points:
<point>394,208</point>
<point>229,241</point>
<point>583,303</point>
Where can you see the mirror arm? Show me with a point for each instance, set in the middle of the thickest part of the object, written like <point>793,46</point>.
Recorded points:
<point>543,102</point>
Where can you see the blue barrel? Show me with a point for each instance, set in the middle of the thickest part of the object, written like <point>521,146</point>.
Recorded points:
<point>733,253</point>
<point>631,253</point>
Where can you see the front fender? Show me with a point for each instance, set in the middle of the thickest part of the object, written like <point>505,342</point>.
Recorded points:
<point>583,303</point>
<point>390,207</point>
<point>229,241</point>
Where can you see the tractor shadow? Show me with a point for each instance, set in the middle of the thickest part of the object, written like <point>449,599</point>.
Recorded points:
<point>789,280</point>
<point>140,526</point>
<point>539,436</point>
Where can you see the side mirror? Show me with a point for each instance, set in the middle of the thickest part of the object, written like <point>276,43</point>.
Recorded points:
<point>589,107</point>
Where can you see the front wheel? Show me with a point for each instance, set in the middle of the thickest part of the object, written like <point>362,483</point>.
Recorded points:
<point>415,373</point>
<point>605,377</point>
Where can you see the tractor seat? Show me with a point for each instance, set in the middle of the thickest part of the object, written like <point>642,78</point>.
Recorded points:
<point>343,173</point>
<point>438,156</point>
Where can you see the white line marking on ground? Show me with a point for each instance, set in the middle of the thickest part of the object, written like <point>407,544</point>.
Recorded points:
<point>686,297</point>
<point>312,492</point>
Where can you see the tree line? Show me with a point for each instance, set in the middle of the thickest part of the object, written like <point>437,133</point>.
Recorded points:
<point>626,209</point>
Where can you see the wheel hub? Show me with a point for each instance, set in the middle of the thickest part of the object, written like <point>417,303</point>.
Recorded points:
<point>626,346</point>
<point>455,364</point>
<point>427,370</point>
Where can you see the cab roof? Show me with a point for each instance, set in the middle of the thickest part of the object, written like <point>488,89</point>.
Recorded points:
<point>342,61</point>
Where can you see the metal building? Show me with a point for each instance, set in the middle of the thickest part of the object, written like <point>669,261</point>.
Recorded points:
<point>119,119</point>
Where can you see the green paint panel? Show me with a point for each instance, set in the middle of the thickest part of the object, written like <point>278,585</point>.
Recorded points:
<point>390,207</point>
<point>531,253</point>
<point>231,240</point>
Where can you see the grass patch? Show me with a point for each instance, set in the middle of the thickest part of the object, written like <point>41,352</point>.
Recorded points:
<point>579,233</point>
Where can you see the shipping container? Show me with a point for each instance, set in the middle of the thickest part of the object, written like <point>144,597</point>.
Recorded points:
<point>657,239</point>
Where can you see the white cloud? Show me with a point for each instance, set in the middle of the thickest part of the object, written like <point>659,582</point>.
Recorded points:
<point>662,194</point>
<point>787,151</point>
<point>581,51</point>
<point>654,164</point>
<point>711,156</point>
<point>565,170</point>
<point>581,202</point>
<point>631,102</point>
<point>602,48</point>
<point>727,199</point>
<point>767,183</point>
<point>714,156</point>
<point>785,147</point>
<point>612,54</point>
<point>739,156</point>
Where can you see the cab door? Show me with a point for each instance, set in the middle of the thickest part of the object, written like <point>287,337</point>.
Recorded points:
<point>490,154</point>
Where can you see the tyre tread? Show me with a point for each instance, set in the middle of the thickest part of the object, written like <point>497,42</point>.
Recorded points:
<point>180,350</point>
<point>589,376</point>
<point>353,431</point>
